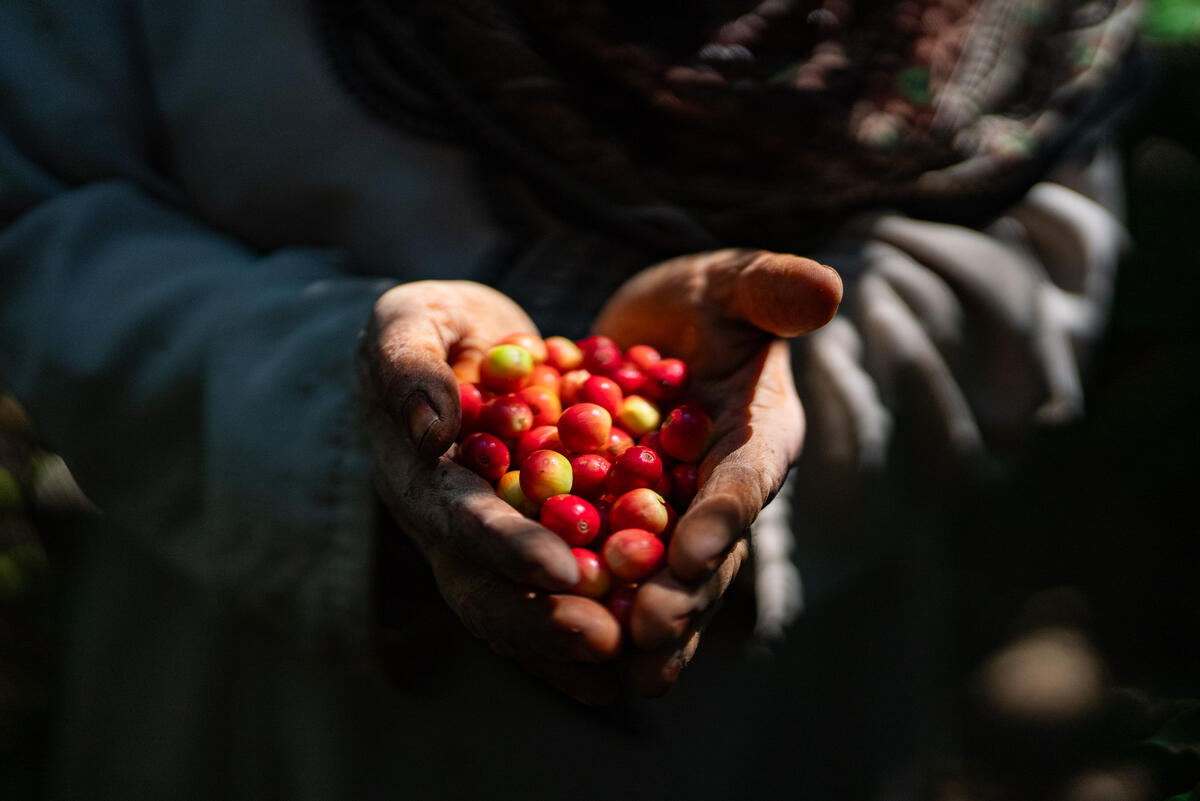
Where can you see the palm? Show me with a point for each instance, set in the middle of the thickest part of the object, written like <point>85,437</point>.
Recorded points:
<point>725,314</point>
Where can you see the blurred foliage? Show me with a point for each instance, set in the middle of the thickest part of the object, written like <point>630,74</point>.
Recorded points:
<point>28,608</point>
<point>1106,507</point>
<point>1181,732</point>
<point>1173,20</point>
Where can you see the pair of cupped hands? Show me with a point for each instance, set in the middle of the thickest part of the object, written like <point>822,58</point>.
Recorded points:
<point>726,313</point>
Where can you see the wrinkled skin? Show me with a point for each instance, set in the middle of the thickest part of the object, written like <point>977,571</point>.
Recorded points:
<point>969,337</point>
<point>505,575</point>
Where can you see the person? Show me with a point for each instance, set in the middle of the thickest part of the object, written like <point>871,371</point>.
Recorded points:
<point>242,246</point>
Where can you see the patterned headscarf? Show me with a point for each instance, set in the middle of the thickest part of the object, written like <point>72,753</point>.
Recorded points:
<point>760,119</point>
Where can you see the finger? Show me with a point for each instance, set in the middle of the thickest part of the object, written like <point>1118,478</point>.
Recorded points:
<point>1059,315</point>
<point>922,290</point>
<point>842,400</point>
<point>490,532</point>
<point>1056,355</point>
<point>652,673</point>
<point>666,607</point>
<point>450,509</point>
<point>446,507</point>
<point>901,347</point>
<point>1079,243</point>
<point>404,353</point>
<point>524,623</point>
<point>756,443</point>
<point>778,591</point>
<point>415,333</point>
<point>1076,239</point>
<point>1004,279</point>
<point>779,293</point>
<point>989,276</point>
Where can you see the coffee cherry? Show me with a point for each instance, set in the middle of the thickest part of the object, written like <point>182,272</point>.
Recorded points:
<point>544,404</point>
<point>629,378</point>
<point>589,470</point>
<point>568,388</point>
<point>633,554</point>
<point>640,508</point>
<point>653,441</point>
<point>636,467</point>
<point>619,441</point>
<point>544,375</point>
<point>562,353</point>
<point>665,380</point>
<point>486,454</point>
<point>536,439</point>
<point>569,420</point>
<point>594,578</point>
<point>638,416</point>
<point>600,354</point>
<point>505,367</point>
<point>687,433</point>
<point>530,342</point>
<point>672,518</point>
<point>601,391</point>
<point>663,485</point>
<point>509,489</point>
<point>506,416</point>
<point>470,399</point>
<point>603,507</point>
<point>545,474</point>
<point>572,518</point>
<point>642,356</point>
<point>683,484</point>
<point>467,372</point>
<point>584,427</point>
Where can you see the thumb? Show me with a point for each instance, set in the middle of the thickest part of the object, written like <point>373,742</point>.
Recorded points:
<point>404,361</point>
<point>782,294</point>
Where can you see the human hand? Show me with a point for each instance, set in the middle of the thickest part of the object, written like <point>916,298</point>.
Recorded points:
<point>956,340</point>
<point>723,313</point>
<point>504,575</point>
<point>977,333</point>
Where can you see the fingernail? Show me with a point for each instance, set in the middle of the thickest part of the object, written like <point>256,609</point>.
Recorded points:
<point>421,417</point>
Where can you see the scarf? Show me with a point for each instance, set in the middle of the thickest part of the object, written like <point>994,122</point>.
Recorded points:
<point>740,122</point>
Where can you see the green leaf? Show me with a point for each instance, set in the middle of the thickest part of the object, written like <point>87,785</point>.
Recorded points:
<point>1172,19</point>
<point>1179,734</point>
<point>1194,795</point>
<point>913,83</point>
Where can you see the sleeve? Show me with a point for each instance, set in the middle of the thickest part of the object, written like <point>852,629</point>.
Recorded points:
<point>202,393</point>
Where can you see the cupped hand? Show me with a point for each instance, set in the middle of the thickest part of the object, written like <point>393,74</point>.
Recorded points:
<point>726,313</point>
<point>505,576</point>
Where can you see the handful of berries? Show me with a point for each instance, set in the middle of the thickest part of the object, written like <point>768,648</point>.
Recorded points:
<point>598,444</point>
